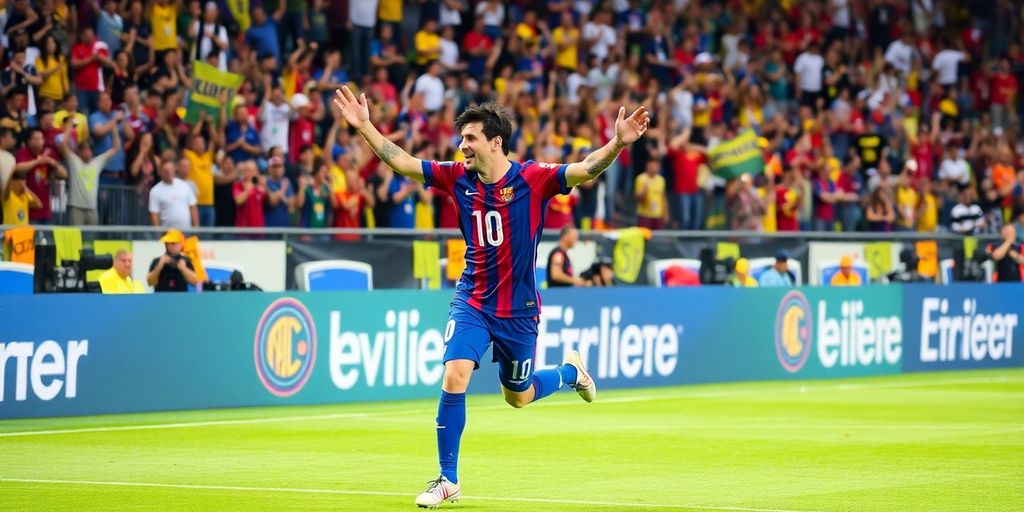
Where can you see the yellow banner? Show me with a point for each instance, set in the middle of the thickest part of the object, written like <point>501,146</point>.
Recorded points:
<point>879,258</point>
<point>426,262</point>
<point>205,95</point>
<point>628,255</point>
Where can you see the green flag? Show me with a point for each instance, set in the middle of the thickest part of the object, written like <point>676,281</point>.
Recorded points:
<point>207,85</point>
<point>738,156</point>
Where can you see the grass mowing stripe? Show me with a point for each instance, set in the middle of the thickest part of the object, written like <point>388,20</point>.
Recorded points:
<point>614,400</point>
<point>383,493</point>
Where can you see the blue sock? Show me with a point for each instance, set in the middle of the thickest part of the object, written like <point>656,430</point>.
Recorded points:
<point>569,373</point>
<point>546,382</point>
<point>451,420</point>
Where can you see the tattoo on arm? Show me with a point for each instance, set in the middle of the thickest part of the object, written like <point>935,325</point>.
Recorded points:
<point>388,150</point>
<point>596,165</point>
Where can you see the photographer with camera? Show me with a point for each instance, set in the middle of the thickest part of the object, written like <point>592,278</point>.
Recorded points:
<point>171,272</point>
<point>1007,256</point>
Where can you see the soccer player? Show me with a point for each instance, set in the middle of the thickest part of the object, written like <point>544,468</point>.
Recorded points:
<point>501,207</point>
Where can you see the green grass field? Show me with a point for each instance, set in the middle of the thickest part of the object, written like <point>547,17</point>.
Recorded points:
<point>925,442</point>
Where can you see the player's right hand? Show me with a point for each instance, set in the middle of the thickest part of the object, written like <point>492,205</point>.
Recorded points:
<point>355,111</point>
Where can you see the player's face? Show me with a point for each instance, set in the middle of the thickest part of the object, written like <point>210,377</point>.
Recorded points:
<point>479,151</point>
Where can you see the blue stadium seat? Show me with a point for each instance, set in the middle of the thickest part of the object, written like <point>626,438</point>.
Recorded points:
<point>15,278</point>
<point>334,275</point>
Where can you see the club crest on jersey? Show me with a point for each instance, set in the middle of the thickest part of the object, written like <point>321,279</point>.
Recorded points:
<point>507,194</point>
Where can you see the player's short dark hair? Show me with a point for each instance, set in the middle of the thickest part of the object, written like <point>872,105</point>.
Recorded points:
<point>496,121</point>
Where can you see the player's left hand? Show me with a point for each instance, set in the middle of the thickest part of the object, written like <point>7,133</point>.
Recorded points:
<point>630,129</point>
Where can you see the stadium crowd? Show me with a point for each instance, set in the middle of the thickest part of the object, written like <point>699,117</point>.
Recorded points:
<point>877,115</point>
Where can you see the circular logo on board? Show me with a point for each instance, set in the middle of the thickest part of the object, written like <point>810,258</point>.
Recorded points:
<point>285,347</point>
<point>793,331</point>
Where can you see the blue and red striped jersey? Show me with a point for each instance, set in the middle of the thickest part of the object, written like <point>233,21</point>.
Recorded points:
<point>502,224</point>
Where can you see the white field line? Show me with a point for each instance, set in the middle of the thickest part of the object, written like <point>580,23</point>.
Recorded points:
<point>380,493</point>
<point>625,399</point>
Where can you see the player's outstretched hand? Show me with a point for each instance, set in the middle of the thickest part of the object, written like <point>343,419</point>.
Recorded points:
<point>355,111</point>
<point>630,129</point>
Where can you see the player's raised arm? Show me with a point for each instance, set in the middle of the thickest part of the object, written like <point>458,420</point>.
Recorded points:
<point>627,131</point>
<point>357,113</point>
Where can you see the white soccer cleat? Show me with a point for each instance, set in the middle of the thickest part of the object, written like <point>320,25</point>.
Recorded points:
<point>584,384</point>
<point>438,492</point>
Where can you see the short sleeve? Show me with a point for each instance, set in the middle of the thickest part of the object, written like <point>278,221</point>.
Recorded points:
<point>548,179</point>
<point>442,175</point>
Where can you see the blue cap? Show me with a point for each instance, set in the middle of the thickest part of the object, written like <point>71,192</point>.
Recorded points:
<point>782,255</point>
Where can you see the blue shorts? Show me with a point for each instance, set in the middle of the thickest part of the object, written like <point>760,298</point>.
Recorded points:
<point>469,332</point>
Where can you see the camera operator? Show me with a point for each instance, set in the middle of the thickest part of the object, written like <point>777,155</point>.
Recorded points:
<point>1007,256</point>
<point>600,273</point>
<point>171,272</point>
<point>559,266</point>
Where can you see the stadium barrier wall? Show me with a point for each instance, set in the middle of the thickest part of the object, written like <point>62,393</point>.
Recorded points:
<point>63,355</point>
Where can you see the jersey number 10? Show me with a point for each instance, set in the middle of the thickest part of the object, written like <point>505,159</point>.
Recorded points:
<point>490,223</point>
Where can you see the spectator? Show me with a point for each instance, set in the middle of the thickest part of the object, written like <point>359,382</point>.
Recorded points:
<point>42,165</point>
<point>250,193</point>
<point>200,158</point>
<point>431,87</point>
<point>746,206</point>
<point>280,195</point>
<point>352,203</point>
<point>741,275</point>
<point>846,275</point>
<point>779,275</point>
<point>275,114</point>
<point>110,26</point>
<point>242,138</point>
<point>787,202</point>
<point>879,212</point>
<point>19,200</point>
<point>172,203</point>
<point>138,35</point>
<point>559,266</point>
<point>8,143</point>
<point>1007,256</point>
<point>88,58</point>
<point>687,160</point>
<point>85,172</point>
<point>209,36</point>
<point>21,76</point>
<point>652,205</point>
<point>172,271</point>
<point>907,199</point>
<point>315,200</point>
<point>163,15</point>
<point>103,123</point>
<point>362,18</point>
<point>825,197</point>
<point>967,217</point>
<point>262,34</point>
<point>808,67</point>
<point>118,278</point>
<point>927,213</point>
